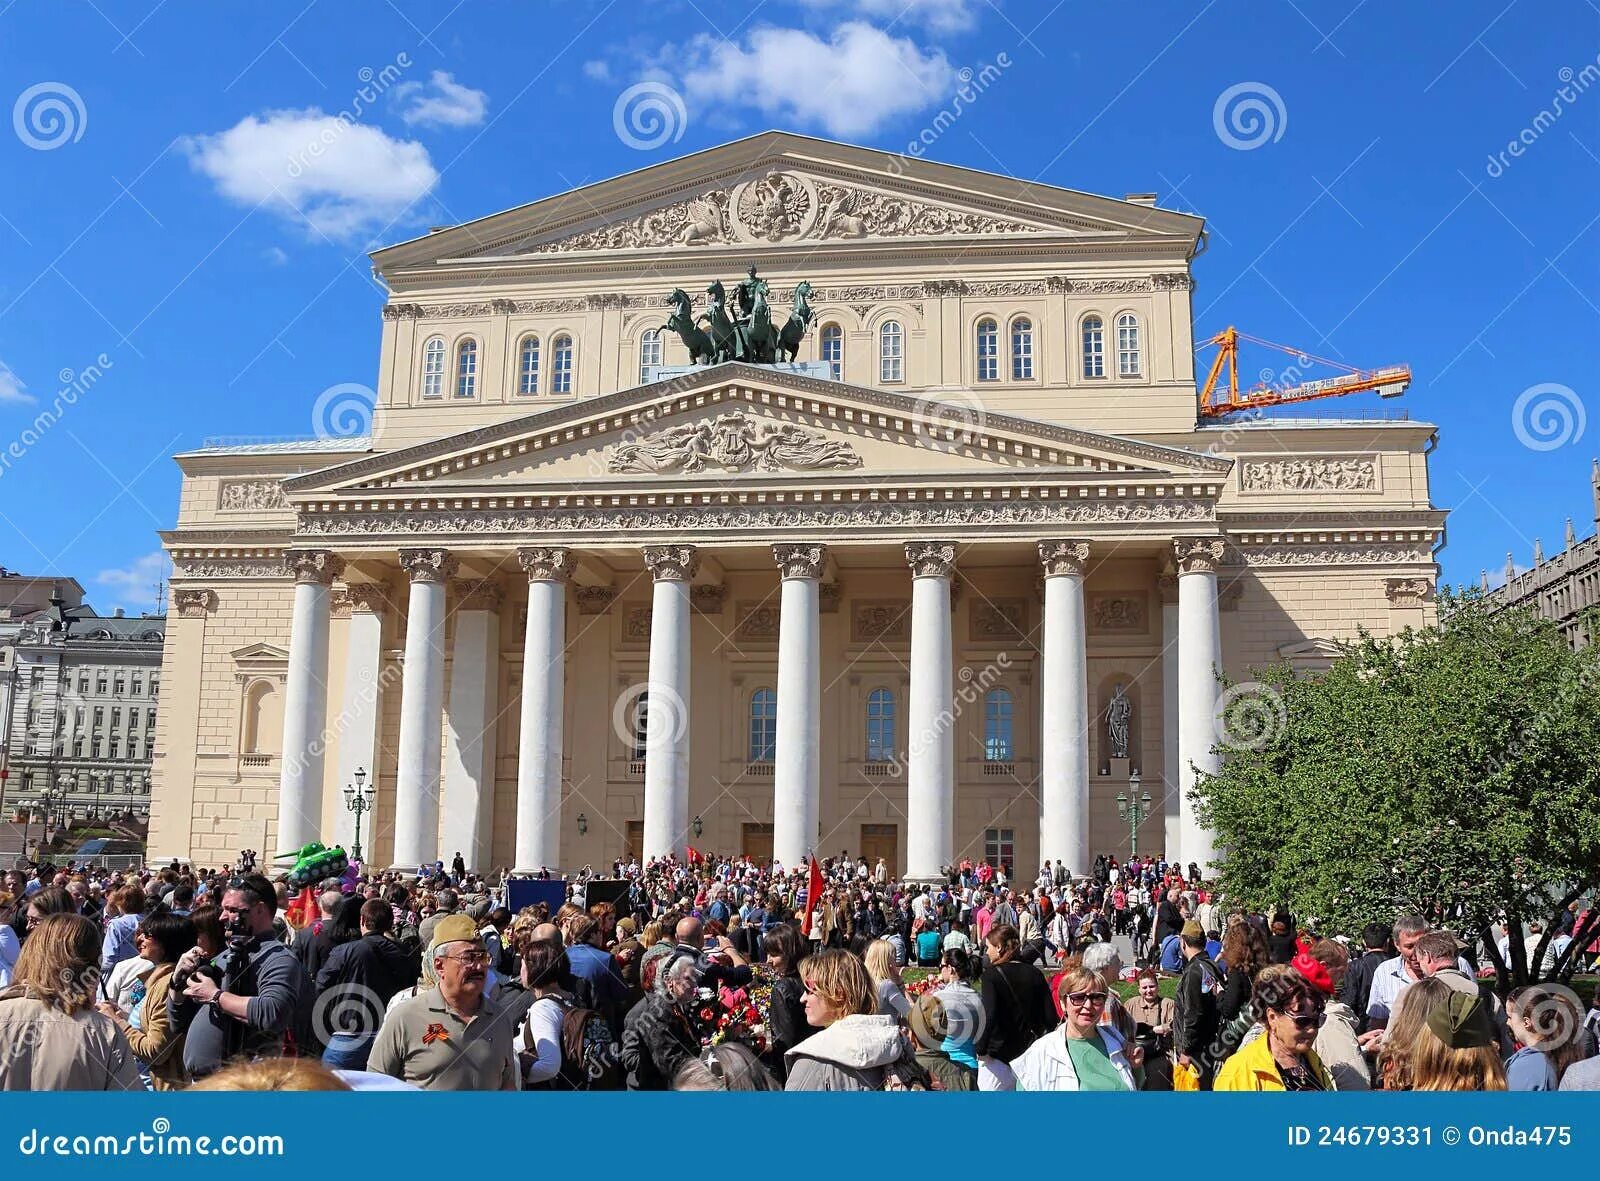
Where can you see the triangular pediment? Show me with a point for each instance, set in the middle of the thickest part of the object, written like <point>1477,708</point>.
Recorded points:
<point>751,426</point>
<point>778,189</point>
<point>260,656</point>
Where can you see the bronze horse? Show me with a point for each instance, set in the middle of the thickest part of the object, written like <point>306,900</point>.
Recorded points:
<point>701,349</point>
<point>789,336</point>
<point>726,341</point>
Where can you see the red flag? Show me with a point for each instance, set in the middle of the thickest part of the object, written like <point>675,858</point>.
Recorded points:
<point>813,896</point>
<point>693,856</point>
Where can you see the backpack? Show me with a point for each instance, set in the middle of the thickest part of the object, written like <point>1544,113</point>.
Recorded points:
<point>589,1061</point>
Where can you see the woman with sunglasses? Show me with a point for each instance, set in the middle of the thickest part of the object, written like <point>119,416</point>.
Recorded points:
<point>1292,1011</point>
<point>1085,1054</point>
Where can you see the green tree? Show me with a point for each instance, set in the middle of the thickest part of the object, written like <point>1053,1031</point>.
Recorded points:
<point>1452,771</point>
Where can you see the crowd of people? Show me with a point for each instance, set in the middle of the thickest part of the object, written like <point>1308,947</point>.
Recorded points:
<point>719,973</point>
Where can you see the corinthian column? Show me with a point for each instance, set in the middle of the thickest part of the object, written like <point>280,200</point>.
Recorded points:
<point>666,752</point>
<point>469,762</point>
<point>544,655</point>
<point>796,771</point>
<point>930,764</point>
<point>1064,753</point>
<point>305,699</point>
<point>364,604</point>
<point>1199,654</point>
<point>416,807</point>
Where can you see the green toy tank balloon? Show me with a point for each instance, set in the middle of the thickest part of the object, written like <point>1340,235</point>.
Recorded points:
<point>314,863</point>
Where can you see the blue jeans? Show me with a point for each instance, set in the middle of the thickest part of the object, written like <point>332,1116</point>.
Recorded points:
<point>348,1051</point>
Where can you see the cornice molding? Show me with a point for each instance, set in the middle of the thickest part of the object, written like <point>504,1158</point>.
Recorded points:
<point>867,518</point>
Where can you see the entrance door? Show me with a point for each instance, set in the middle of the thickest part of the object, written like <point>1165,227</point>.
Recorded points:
<point>633,842</point>
<point>880,840</point>
<point>758,842</point>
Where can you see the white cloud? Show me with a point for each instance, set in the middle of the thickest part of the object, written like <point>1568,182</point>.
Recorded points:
<point>135,585</point>
<point>440,102</point>
<point>12,389</point>
<point>850,85</point>
<point>275,255</point>
<point>341,177</point>
<point>937,16</point>
<point>597,71</point>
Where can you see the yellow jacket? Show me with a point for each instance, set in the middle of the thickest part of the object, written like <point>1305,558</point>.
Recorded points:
<point>1252,1068</point>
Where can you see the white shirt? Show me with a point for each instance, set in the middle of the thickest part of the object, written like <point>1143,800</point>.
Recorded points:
<point>1047,1064</point>
<point>1390,981</point>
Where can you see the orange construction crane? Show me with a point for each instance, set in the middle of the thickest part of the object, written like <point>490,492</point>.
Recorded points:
<point>1389,382</point>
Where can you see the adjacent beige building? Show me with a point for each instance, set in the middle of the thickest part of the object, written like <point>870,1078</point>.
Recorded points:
<point>937,590</point>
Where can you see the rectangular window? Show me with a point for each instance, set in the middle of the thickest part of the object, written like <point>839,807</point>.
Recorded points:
<point>119,686</point>
<point>833,351</point>
<point>1094,349</point>
<point>99,716</point>
<point>99,747</point>
<point>1000,847</point>
<point>1128,347</point>
<point>77,748</point>
<point>36,677</point>
<point>83,684</point>
<point>133,719</point>
<point>150,720</point>
<point>155,687</point>
<point>116,718</point>
<point>138,686</point>
<point>115,746</point>
<point>77,718</point>
<point>649,354</point>
<point>100,682</point>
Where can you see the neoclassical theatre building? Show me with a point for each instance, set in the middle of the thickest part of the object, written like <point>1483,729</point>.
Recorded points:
<point>944,585</point>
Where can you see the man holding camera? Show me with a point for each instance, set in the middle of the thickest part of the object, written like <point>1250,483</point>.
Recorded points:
<point>255,1000</point>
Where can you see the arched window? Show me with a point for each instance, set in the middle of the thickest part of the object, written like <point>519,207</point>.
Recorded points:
<point>891,352</point>
<point>988,351</point>
<point>880,726</point>
<point>763,725</point>
<point>433,367</point>
<point>1094,347</point>
<point>997,726</point>
<point>467,368</point>
<point>1022,349</point>
<point>528,366</point>
<point>833,350</point>
<point>649,353</point>
<point>1128,359</point>
<point>641,726</point>
<point>561,365</point>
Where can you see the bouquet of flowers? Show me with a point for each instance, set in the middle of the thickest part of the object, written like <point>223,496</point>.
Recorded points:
<point>744,1016</point>
<point>927,984</point>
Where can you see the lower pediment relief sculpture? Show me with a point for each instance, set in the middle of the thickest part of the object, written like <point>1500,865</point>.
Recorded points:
<point>732,443</point>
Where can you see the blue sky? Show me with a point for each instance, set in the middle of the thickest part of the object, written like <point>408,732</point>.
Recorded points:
<point>1364,206</point>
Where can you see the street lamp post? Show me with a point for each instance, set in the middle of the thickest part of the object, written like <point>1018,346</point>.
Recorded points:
<point>1133,811</point>
<point>358,799</point>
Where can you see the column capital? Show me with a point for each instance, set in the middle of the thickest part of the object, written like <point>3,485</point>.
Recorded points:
<point>318,566</point>
<point>194,602</point>
<point>1068,557</point>
<point>1198,555</point>
<point>931,559</point>
<point>800,561</point>
<point>472,594</point>
<point>360,598</point>
<point>429,565</point>
<point>546,563</point>
<point>672,563</point>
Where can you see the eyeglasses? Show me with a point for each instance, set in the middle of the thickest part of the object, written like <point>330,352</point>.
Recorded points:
<point>469,958</point>
<point>1305,1020</point>
<point>1087,998</point>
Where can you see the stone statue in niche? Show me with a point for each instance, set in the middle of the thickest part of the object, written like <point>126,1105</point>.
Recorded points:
<point>1119,720</point>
